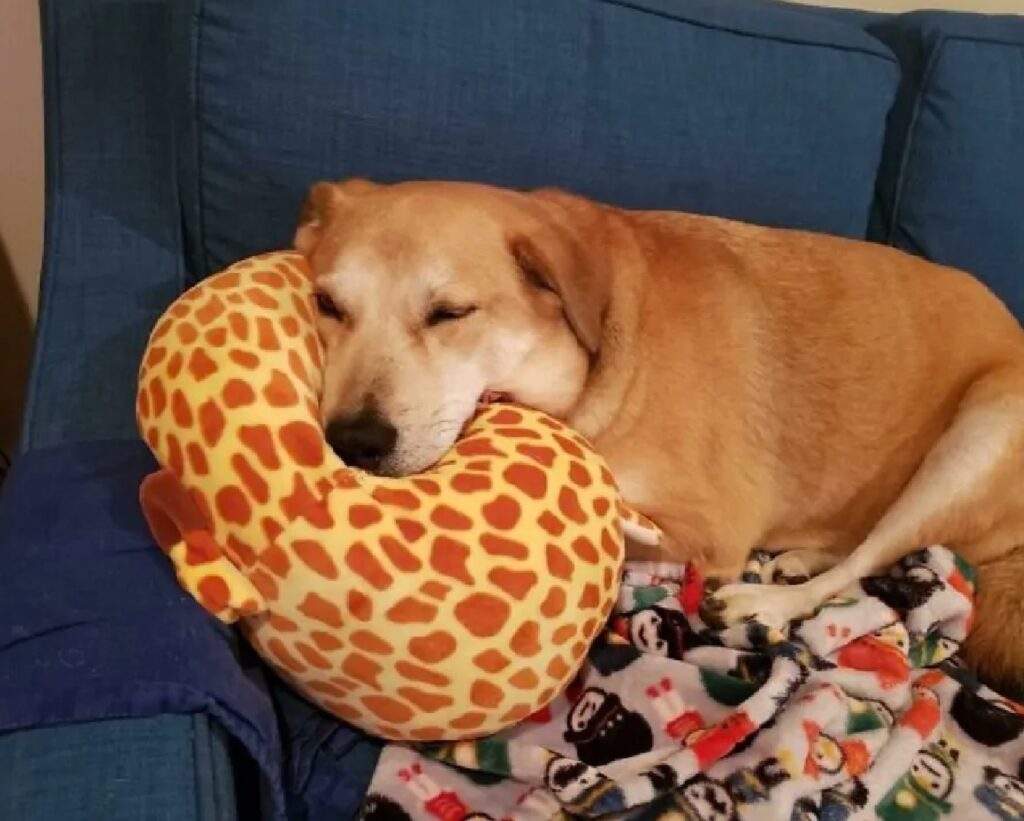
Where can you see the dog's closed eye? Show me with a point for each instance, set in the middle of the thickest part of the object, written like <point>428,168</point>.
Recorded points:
<point>327,307</point>
<point>440,314</point>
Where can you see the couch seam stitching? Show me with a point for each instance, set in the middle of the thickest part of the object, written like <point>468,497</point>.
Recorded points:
<point>891,59</point>
<point>908,143</point>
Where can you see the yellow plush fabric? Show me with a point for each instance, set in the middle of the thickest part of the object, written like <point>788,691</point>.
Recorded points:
<point>439,606</point>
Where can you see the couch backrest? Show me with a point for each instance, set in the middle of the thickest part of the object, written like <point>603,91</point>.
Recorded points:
<point>951,187</point>
<point>726,107</point>
<point>182,135</point>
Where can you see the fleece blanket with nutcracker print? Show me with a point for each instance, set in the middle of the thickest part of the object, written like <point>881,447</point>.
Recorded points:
<point>861,712</point>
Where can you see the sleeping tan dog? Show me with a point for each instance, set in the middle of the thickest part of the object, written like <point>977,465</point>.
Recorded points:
<point>839,402</point>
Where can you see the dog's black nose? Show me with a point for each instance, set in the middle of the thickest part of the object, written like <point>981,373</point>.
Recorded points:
<point>363,440</point>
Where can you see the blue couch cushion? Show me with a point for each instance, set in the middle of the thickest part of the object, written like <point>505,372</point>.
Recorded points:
<point>952,181</point>
<point>748,110</point>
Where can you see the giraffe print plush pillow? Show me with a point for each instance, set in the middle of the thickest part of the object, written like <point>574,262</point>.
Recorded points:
<point>439,606</point>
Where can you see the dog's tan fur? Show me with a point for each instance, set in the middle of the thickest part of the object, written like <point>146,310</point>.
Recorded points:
<point>749,386</point>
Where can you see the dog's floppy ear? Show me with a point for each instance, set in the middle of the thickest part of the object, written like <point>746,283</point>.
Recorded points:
<point>560,252</point>
<point>323,201</point>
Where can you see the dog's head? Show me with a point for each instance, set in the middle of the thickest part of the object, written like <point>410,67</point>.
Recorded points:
<point>433,296</point>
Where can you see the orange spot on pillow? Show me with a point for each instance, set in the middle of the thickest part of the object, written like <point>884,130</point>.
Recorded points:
<point>525,640</point>
<point>275,560</point>
<point>359,667</point>
<point>209,311</point>
<point>611,546</point>
<point>266,338</point>
<point>482,614</point>
<point>432,647</point>
<point>260,298</point>
<point>491,661</point>
<point>554,603</point>
<point>325,641</point>
<point>529,479</point>
<point>500,546</point>
<point>279,391</point>
<point>428,702</point>
<point>414,672</point>
<point>410,610</point>
<point>279,622</point>
<point>268,278</point>
<point>448,557</point>
<point>239,325</point>
<point>251,480</point>
<point>211,423</point>
<point>517,583</point>
<point>371,643</point>
<point>505,416</point>
<point>470,483</point>
<point>174,365</point>
<point>525,679</point>
<point>428,486</point>
<point>365,565</point>
<point>435,590</point>
<point>396,497</point>
<point>584,549</point>
<point>315,557</point>
<point>361,516</point>
<point>559,564</point>
<point>411,530</point>
<point>187,332</point>
<point>569,446</point>
<point>557,668</point>
<point>237,394</point>
<point>563,634</point>
<point>579,474</point>
<point>158,395</point>
<point>175,460</point>
<point>468,721</point>
<point>319,609</point>
<point>155,356</point>
<point>484,694</point>
<point>260,441</point>
<point>197,459</point>
<point>477,446</point>
<point>502,512</point>
<point>360,606</point>
<point>302,503</point>
<point>539,453</point>
<point>283,655</point>
<point>265,583</point>
<point>569,504</point>
<point>312,657</point>
<point>590,597</point>
<point>551,523</point>
<point>518,713</point>
<point>232,505</point>
<point>399,555</point>
<point>303,443</point>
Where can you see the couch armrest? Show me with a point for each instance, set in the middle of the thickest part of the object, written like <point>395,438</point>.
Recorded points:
<point>113,255</point>
<point>95,632</point>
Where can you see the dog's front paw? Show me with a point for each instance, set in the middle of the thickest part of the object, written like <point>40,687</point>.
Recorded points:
<point>774,607</point>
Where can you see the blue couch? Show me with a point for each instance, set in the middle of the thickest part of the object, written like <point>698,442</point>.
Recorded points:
<point>182,135</point>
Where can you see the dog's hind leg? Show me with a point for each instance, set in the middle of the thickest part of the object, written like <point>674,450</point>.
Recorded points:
<point>961,491</point>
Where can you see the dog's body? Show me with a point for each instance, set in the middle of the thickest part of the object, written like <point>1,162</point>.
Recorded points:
<point>841,401</point>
